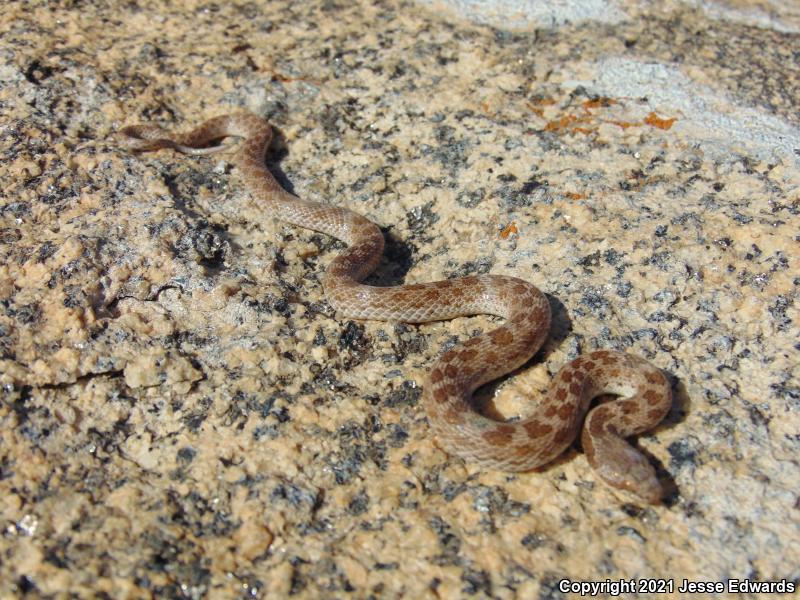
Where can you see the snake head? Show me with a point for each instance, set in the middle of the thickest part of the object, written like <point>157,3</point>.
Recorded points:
<point>622,466</point>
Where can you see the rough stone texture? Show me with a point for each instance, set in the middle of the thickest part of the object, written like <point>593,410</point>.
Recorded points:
<point>183,415</point>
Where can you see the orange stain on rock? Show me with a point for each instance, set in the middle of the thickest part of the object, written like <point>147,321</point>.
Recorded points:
<point>655,121</point>
<point>561,123</point>
<point>601,102</point>
<point>508,230</point>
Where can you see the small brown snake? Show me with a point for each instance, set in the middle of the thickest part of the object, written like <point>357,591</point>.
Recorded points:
<point>644,394</point>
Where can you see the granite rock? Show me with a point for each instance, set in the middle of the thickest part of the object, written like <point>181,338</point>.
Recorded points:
<point>183,414</point>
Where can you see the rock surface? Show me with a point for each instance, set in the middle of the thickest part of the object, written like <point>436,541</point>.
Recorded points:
<point>182,413</point>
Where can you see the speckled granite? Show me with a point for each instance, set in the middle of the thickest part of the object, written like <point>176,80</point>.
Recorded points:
<point>184,416</point>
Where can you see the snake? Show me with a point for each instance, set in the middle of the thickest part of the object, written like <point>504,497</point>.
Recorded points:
<point>637,394</point>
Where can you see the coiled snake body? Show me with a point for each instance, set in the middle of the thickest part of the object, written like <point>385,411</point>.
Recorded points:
<point>645,395</point>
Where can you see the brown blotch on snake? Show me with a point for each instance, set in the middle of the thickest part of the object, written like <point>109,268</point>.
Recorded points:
<point>557,415</point>
<point>500,436</point>
<point>536,429</point>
